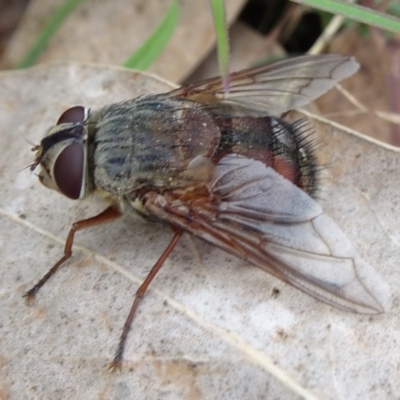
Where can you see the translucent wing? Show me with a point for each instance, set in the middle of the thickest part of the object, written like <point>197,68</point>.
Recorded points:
<point>271,89</point>
<point>253,212</point>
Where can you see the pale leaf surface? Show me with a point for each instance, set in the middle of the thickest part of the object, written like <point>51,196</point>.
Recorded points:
<point>211,326</point>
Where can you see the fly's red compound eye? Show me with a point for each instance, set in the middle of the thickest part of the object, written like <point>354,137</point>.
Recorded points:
<point>68,170</point>
<point>72,115</point>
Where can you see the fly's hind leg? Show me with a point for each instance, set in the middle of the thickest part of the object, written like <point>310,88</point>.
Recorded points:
<point>107,215</point>
<point>116,363</point>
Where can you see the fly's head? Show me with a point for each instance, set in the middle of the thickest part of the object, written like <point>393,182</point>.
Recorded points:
<point>62,155</point>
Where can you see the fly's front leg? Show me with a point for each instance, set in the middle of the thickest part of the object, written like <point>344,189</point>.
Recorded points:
<point>107,215</point>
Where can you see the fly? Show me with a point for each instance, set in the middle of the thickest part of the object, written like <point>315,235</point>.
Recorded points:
<point>222,166</point>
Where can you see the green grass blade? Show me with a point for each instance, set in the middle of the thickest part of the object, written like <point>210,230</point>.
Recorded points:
<point>219,14</point>
<point>356,13</point>
<point>149,51</point>
<point>47,32</point>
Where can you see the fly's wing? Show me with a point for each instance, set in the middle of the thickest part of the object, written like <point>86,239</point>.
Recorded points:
<point>271,89</point>
<point>253,212</point>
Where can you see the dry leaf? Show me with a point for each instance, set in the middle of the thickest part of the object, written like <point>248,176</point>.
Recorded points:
<point>109,31</point>
<point>210,326</point>
<point>373,86</point>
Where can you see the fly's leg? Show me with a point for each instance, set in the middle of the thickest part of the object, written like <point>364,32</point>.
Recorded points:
<point>107,215</point>
<point>116,363</point>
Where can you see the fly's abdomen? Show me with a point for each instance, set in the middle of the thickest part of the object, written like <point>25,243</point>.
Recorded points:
<point>150,142</point>
<point>277,144</point>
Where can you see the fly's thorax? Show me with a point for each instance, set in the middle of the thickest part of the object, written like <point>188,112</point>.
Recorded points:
<point>151,142</point>
<point>63,155</point>
<point>274,142</point>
